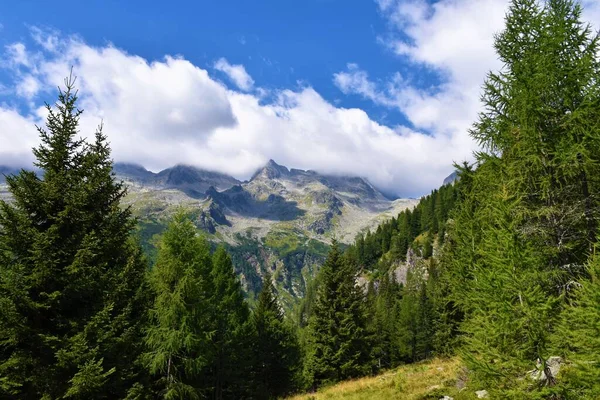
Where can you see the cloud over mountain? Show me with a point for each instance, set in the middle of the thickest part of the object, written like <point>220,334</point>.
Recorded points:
<point>162,112</point>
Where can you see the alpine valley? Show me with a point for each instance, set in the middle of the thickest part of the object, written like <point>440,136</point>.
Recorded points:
<point>281,220</point>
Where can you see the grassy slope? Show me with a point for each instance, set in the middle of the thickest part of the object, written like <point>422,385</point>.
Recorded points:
<point>431,379</point>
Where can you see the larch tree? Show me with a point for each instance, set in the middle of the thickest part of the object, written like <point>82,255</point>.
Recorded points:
<point>526,226</point>
<point>178,334</point>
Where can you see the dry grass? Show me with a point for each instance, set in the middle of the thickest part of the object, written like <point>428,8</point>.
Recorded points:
<point>432,379</point>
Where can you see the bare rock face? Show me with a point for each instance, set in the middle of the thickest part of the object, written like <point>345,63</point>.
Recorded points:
<point>453,177</point>
<point>206,223</point>
<point>401,271</point>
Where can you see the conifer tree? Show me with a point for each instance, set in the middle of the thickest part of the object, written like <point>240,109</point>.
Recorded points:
<point>415,319</point>
<point>72,299</point>
<point>230,352</point>
<point>579,339</point>
<point>177,338</point>
<point>277,355</point>
<point>337,345</point>
<point>510,310</point>
<point>382,313</point>
<point>541,115</point>
<point>526,226</point>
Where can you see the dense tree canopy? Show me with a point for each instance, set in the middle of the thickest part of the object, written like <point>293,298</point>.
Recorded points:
<point>499,266</point>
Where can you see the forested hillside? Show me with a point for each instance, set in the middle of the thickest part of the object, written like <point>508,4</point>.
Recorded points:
<point>496,271</point>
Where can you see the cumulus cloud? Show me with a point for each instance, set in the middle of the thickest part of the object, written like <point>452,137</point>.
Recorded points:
<point>453,39</point>
<point>162,112</point>
<point>17,137</point>
<point>237,74</point>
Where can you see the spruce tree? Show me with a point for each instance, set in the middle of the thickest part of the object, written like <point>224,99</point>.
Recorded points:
<point>177,337</point>
<point>71,279</point>
<point>382,321</point>
<point>230,353</point>
<point>415,318</point>
<point>277,355</point>
<point>337,345</point>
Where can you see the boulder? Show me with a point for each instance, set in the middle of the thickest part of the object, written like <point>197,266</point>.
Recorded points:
<point>553,364</point>
<point>482,394</point>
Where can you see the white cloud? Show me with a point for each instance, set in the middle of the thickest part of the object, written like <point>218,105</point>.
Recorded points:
<point>237,74</point>
<point>28,87</point>
<point>16,55</point>
<point>357,81</point>
<point>170,111</point>
<point>17,136</point>
<point>591,12</point>
<point>452,38</point>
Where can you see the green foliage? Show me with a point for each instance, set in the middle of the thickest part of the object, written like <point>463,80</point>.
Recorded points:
<point>276,351</point>
<point>283,242</point>
<point>230,351</point>
<point>416,228</point>
<point>415,319</point>
<point>510,311</point>
<point>337,345</point>
<point>579,339</point>
<point>177,337</point>
<point>527,216</point>
<point>72,294</point>
<point>382,314</point>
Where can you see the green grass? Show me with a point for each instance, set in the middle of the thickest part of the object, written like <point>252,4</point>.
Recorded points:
<point>431,379</point>
<point>283,242</point>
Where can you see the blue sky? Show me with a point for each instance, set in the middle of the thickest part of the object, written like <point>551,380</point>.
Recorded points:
<point>384,89</point>
<point>278,42</point>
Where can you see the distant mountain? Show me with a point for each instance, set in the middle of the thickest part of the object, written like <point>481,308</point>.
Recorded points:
<point>191,180</point>
<point>133,172</point>
<point>282,220</point>
<point>451,178</point>
<point>5,170</point>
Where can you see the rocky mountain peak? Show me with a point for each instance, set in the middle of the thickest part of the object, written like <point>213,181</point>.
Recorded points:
<point>453,177</point>
<point>271,170</point>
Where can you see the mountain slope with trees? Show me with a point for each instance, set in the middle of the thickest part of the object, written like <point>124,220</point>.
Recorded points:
<point>496,269</point>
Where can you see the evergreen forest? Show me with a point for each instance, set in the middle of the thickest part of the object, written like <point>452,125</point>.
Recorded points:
<point>499,268</point>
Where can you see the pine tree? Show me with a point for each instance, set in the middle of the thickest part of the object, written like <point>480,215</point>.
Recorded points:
<point>71,279</point>
<point>337,347</point>
<point>177,338</point>
<point>230,353</point>
<point>277,355</point>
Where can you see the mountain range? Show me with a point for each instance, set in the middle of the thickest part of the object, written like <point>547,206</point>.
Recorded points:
<point>318,206</point>
<point>281,220</point>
